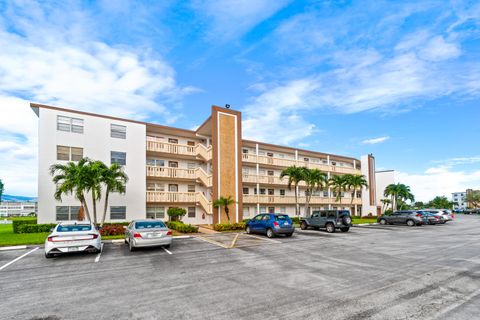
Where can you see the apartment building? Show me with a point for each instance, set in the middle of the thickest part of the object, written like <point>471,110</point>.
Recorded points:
<point>383,178</point>
<point>460,200</point>
<point>172,167</point>
<point>14,209</point>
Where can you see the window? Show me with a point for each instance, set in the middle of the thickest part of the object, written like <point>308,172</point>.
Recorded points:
<point>271,192</point>
<point>118,213</point>
<point>118,157</point>
<point>191,212</point>
<point>325,193</point>
<point>191,143</point>
<point>282,192</point>
<point>156,162</point>
<point>282,210</point>
<point>191,188</point>
<point>245,170</point>
<point>245,150</point>
<point>270,172</point>
<point>173,187</point>
<point>68,124</point>
<point>173,164</point>
<point>69,153</point>
<point>155,212</point>
<point>246,212</point>
<point>262,190</point>
<point>191,165</point>
<point>263,209</point>
<point>66,213</point>
<point>118,131</point>
<point>171,140</point>
<point>281,155</point>
<point>271,209</point>
<point>261,172</point>
<point>306,159</point>
<point>269,154</point>
<point>155,186</point>
<point>245,190</point>
<point>254,190</point>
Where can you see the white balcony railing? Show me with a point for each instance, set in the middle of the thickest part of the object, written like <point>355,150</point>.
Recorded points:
<point>177,173</point>
<point>180,197</point>
<point>268,199</point>
<point>180,149</point>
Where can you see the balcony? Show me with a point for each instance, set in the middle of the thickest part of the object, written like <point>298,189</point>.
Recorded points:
<point>197,198</point>
<point>262,179</point>
<point>197,151</point>
<point>282,162</point>
<point>267,199</point>
<point>176,173</point>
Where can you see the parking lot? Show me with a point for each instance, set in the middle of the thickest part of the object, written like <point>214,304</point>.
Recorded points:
<point>371,272</point>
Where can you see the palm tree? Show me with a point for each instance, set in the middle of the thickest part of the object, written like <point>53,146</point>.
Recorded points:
<point>295,176</point>
<point>224,202</point>
<point>353,183</point>
<point>115,180</point>
<point>72,178</point>
<point>338,183</point>
<point>94,183</point>
<point>1,189</point>
<point>398,192</point>
<point>391,191</point>
<point>315,180</point>
<point>385,203</point>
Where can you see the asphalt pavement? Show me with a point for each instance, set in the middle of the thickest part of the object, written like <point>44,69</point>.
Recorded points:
<point>371,272</point>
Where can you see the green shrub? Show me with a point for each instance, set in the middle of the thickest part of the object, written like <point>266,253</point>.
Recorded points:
<point>175,212</point>
<point>112,229</point>
<point>35,228</point>
<point>181,227</point>
<point>18,222</point>
<point>295,220</point>
<point>229,226</point>
<point>388,212</point>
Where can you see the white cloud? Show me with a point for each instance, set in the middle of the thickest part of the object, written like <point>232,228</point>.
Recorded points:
<point>375,140</point>
<point>230,19</point>
<point>439,181</point>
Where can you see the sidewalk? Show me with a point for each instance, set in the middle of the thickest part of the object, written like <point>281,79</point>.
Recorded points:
<point>206,229</point>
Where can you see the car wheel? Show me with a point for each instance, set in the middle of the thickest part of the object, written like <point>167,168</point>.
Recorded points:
<point>247,230</point>
<point>410,223</point>
<point>126,242</point>
<point>288,235</point>
<point>130,246</point>
<point>303,225</point>
<point>383,221</point>
<point>330,228</point>
<point>270,233</point>
<point>48,255</point>
<point>345,229</point>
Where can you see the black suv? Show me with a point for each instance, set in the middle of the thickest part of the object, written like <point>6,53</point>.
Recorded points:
<point>331,220</point>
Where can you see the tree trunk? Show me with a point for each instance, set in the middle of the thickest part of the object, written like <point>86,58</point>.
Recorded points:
<point>84,205</point>
<point>297,211</point>
<point>94,202</point>
<point>226,212</point>
<point>107,192</point>
<point>308,197</point>
<point>351,202</point>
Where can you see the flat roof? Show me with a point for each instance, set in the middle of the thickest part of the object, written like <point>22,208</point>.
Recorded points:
<point>153,126</point>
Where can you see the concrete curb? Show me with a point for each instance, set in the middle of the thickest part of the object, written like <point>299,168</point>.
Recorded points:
<point>13,248</point>
<point>365,224</point>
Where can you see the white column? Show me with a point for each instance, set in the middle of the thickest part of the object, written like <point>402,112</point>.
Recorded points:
<point>328,159</point>
<point>258,208</point>
<point>354,164</point>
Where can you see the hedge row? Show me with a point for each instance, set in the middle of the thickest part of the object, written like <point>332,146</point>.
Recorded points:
<point>112,229</point>
<point>229,226</point>
<point>181,227</point>
<point>18,222</point>
<point>34,228</point>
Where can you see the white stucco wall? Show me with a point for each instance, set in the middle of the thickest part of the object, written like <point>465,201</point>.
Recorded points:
<point>97,144</point>
<point>383,178</point>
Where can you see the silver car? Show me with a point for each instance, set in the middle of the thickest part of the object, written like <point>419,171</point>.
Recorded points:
<point>443,214</point>
<point>147,233</point>
<point>73,236</point>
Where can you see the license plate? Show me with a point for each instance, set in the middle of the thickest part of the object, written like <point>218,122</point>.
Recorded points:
<point>72,249</point>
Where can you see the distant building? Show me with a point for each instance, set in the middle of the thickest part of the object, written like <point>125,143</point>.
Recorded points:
<point>11,208</point>
<point>383,179</point>
<point>459,199</point>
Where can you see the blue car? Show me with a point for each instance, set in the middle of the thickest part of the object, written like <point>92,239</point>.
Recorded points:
<point>270,224</point>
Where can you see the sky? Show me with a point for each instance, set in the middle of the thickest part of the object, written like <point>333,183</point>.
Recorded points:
<point>399,79</point>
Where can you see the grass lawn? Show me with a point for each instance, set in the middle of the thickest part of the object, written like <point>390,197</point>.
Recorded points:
<point>363,220</point>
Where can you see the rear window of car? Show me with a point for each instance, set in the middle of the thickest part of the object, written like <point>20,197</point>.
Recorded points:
<point>344,212</point>
<point>149,225</point>
<point>74,227</point>
<point>281,217</point>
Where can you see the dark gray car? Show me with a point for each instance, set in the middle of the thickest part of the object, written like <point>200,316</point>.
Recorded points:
<point>409,217</point>
<point>328,219</point>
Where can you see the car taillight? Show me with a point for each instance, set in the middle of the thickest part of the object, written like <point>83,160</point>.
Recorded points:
<point>50,239</point>
<point>275,224</point>
<point>137,235</point>
<point>94,236</point>
<point>419,215</point>
<point>169,233</point>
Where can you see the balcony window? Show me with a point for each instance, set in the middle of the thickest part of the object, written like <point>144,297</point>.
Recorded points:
<point>171,140</point>
<point>245,151</point>
<point>68,124</point>
<point>155,186</point>
<point>306,159</point>
<point>118,212</point>
<point>263,209</point>
<point>191,212</point>
<point>118,131</point>
<point>173,164</point>
<point>245,190</point>
<point>325,193</point>
<point>191,165</point>
<point>282,210</point>
<point>270,172</point>
<point>245,170</point>
<point>271,192</point>
<point>281,155</point>
<point>282,192</point>
<point>118,157</point>
<point>254,190</point>
<point>262,190</point>
<point>155,212</point>
<point>173,187</point>
<point>191,143</point>
<point>156,162</point>
<point>191,188</point>
<point>269,154</point>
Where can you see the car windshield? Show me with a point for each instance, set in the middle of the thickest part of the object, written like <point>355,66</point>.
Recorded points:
<point>73,227</point>
<point>149,225</point>
<point>281,217</point>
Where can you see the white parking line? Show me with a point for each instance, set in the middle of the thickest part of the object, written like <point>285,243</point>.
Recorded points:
<point>97,258</point>
<point>16,259</point>
<point>166,250</point>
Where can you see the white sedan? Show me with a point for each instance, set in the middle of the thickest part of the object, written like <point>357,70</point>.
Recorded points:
<point>73,236</point>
